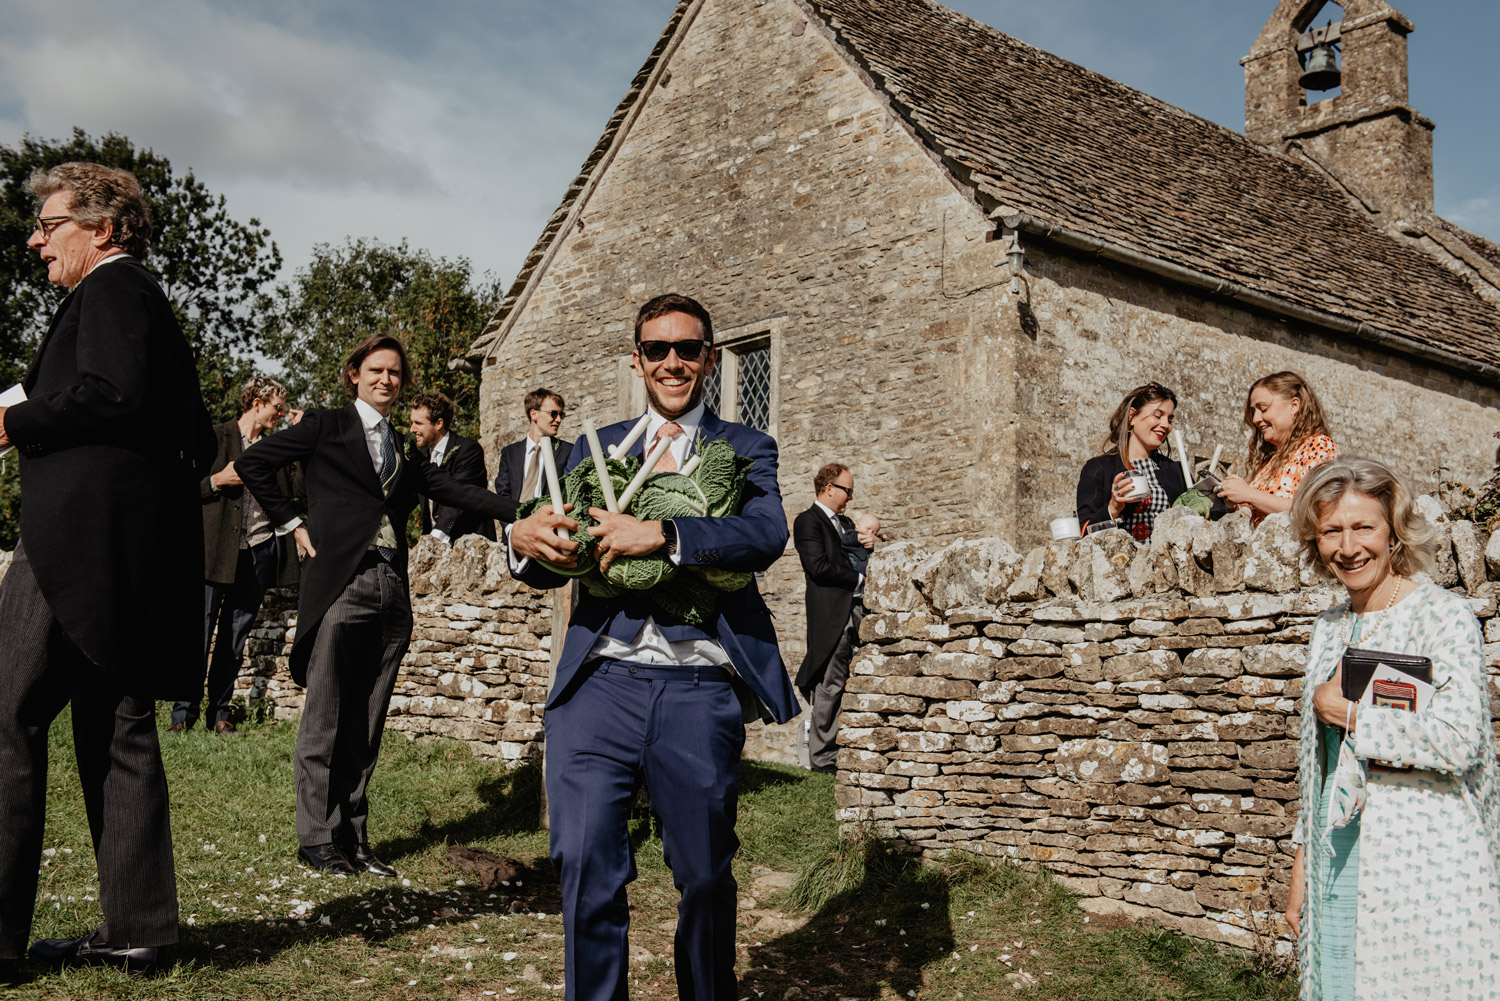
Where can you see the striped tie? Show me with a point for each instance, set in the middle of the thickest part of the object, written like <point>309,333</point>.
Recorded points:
<point>667,463</point>
<point>387,470</point>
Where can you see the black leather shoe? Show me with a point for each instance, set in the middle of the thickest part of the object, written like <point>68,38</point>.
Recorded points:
<point>362,858</point>
<point>328,858</point>
<point>10,973</point>
<point>140,961</point>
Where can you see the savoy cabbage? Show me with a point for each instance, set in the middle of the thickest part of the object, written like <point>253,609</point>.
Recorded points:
<point>715,489</point>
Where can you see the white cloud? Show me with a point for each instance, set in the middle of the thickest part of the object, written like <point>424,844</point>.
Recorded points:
<point>219,92</point>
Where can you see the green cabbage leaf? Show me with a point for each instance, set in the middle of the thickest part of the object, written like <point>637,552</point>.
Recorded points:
<point>715,489</point>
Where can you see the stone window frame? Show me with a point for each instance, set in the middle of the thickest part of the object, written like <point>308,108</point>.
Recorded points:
<point>729,342</point>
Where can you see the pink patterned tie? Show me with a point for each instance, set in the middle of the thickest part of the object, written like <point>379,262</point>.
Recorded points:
<point>667,463</point>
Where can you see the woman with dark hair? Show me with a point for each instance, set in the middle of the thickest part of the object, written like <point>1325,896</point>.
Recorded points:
<point>1395,886</point>
<point>1288,439</point>
<point>1134,457</point>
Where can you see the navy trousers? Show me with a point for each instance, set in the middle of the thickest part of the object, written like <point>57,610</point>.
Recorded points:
<point>679,731</point>
<point>230,610</point>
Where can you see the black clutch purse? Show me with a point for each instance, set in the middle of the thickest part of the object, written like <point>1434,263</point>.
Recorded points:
<point>1359,666</point>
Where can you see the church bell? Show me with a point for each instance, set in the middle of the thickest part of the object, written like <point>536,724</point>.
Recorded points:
<point>1321,71</point>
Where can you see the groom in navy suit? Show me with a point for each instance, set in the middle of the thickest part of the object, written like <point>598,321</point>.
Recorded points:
<point>641,698</point>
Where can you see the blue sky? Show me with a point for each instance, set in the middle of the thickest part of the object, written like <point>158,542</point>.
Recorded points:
<point>458,124</point>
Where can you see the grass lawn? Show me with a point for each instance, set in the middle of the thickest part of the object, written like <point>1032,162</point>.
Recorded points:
<point>819,919</point>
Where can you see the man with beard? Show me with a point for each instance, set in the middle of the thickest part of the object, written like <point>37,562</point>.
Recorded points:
<point>642,699</point>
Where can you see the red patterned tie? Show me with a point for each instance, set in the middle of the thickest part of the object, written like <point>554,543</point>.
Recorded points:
<point>667,463</point>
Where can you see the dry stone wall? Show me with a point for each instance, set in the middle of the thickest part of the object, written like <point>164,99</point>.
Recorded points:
<point>1124,715</point>
<point>478,666</point>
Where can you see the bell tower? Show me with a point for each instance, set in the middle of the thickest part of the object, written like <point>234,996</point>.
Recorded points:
<point>1367,135</point>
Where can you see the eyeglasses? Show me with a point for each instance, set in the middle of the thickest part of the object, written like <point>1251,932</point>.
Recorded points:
<point>556,415</point>
<point>658,350</point>
<point>848,491</point>
<point>46,224</point>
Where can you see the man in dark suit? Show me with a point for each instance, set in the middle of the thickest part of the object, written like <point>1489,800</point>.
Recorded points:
<point>823,537</point>
<point>242,556</point>
<point>100,606</point>
<point>461,458</point>
<point>354,611</point>
<point>642,698</point>
<point>520,476</point>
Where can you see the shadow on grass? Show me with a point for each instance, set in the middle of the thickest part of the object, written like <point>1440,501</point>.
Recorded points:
<point>510,805</point>
<point>880,915</point>
<point>757,776</point>
<point>377,914</point>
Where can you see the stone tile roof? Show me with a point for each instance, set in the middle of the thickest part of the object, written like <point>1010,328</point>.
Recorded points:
<point>1048,138</point>
<point>1038,135</point>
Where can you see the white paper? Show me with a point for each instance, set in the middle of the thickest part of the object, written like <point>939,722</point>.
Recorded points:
<point>10,398</point>
<point>1384,672</point>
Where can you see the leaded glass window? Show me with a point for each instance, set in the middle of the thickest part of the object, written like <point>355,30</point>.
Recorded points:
<point>753,389</point>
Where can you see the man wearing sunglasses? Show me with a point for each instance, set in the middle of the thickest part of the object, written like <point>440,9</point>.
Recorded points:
<point>824,538</point>
<point>642,698</point>
<point>520,476</point>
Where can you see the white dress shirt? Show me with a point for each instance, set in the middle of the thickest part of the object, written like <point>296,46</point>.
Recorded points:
<point>839,527</point>
<point>440,449</point>
<point>649,645</point>
<point>370,419</point>
<point>438,452</point>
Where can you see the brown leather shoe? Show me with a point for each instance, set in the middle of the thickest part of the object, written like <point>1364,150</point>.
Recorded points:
<point>224,728</point>
<point>177,728</point>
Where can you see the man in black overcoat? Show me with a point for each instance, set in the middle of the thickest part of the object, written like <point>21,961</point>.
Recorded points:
<point>242,555</point>
<point>520,475</point>
<point>823,535</point>
<point>101,605</point>
<point>461,458</point>
<point>354,617</point>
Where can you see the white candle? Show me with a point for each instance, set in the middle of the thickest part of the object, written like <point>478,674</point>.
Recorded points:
<point>662,445</point>
<point>1182,457</point>
<point>554,486</point>
<point>618,451</point>
<point>610,504</point>
<point>692,464</point>
<point>1213,463</point>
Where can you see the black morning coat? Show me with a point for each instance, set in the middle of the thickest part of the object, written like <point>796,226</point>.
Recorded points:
<point>113,439</point>
<point>831,580</point>
<point>224,515</point>
<point>344,504</point>
<point>512,471</point>
<point>464,461</point>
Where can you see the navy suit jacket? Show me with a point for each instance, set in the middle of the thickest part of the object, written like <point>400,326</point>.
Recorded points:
<point>749,541</point>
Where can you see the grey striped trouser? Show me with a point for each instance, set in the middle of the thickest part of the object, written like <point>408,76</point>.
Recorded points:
<point>350,675</point>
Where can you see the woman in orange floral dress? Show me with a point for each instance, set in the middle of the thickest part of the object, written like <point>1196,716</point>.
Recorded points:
<point>1288,439</point>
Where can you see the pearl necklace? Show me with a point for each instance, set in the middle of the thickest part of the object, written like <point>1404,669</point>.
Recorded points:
<point>1351,616</point>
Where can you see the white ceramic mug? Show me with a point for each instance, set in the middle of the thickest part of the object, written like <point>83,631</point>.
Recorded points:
<point>1065,528</point>
<point>1140,487</point>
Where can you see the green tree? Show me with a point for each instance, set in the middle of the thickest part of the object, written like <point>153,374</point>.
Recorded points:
<point>210,265</point>
<point>435,305</point>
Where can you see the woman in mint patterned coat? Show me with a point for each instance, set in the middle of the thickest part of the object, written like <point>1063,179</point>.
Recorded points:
<point>1396,884</point>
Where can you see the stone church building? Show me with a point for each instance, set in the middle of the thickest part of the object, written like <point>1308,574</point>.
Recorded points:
<point>940,256</point>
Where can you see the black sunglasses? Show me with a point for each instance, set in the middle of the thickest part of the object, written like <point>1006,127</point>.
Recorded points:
<point>658,350</point>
